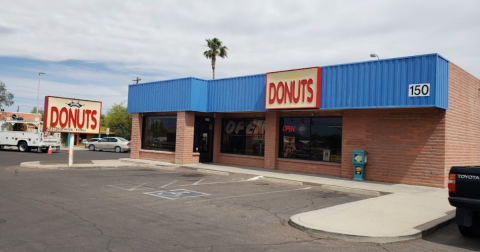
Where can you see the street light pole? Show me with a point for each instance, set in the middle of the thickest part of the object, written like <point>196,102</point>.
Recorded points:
<point>38,94</point>
<point>373,55</point>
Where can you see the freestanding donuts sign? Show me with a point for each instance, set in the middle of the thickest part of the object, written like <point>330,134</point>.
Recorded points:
<point>71,115</point>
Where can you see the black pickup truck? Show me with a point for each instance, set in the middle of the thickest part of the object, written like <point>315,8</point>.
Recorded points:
<point>464,194</point>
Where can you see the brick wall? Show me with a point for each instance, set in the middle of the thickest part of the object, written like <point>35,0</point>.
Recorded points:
<point>320,168</point>
<point>242,160</point>
<point>162,156</point>
<point>26,116</point>
<point>272,130</point>
<point>184,139</point>
<point>408,145</point>
<point>136,136</point>
<point>462,119</point>
<point>217,137</point>
<point>404,145</point>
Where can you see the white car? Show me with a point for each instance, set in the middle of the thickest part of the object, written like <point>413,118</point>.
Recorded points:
<point>91,141</point>
<point>117,144</point>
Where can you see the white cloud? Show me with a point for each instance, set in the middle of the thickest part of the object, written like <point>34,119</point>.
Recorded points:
<point>166,39</point>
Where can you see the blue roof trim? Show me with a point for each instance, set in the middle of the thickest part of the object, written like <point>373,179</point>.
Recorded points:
<point>383,84</point>
<point>370,84</point>
<point>389,59</point>
<point>442,83</point>
<point>245,93</point>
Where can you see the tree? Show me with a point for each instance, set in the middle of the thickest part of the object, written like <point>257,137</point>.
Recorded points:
<point>102,121</point>
<point>5,97</point>
<point>118,119</point>
<point>215,49</point>
<point>40,111</point>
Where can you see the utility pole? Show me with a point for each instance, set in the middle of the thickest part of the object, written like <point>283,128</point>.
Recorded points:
<point>137,80</point>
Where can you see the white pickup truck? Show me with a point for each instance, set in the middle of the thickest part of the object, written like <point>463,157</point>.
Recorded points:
<point>27,135</point>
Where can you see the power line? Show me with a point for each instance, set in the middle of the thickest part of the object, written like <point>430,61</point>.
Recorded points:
<point>22,91</point>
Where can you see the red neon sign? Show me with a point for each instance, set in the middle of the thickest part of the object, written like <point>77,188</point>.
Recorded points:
<point>288,128</point>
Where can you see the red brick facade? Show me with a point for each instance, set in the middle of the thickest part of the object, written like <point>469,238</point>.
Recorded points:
<point>462,119</point>
<point>183,147</point>
<point>184,143</point>
<point>136,136</point>
<point>405,145</point>
<point>26,116</point>
<point>272,128</point>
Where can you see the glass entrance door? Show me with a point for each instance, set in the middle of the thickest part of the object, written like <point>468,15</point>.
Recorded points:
<point>203,138</point>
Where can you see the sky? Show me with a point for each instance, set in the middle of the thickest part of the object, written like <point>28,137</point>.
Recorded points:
<point>93,50</point>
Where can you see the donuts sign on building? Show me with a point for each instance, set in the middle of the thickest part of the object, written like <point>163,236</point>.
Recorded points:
<point>293,89</point>
<point>72,115</point>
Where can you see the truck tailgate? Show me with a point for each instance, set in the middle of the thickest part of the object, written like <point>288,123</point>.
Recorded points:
<point>467,181</point>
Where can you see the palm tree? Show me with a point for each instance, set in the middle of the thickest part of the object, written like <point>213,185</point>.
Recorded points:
<point>215,49</point>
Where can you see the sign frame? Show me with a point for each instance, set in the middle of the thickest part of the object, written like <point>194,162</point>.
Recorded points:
<point>47,114</point>
<point>318,85</point>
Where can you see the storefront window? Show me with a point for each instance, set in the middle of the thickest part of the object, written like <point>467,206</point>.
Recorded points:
<point>311,138</point>
<point>243,136</point>
<point>159,133</point>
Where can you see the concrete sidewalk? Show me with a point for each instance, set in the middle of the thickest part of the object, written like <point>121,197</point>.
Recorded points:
<point>396,212</point>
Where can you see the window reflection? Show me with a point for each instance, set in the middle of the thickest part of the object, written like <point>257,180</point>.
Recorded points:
<point>318,138</point>
<point>243,136</point>
<point>159,133</point>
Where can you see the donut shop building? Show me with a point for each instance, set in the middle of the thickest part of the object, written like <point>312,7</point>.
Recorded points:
<point>415,116</point>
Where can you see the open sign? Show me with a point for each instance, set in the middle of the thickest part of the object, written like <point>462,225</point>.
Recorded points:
<point>288,128</point>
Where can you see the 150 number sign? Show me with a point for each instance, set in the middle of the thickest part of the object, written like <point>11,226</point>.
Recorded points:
<point>419,90</point>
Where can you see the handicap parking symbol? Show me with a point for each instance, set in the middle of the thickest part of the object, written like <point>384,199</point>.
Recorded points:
<point>176,194</point>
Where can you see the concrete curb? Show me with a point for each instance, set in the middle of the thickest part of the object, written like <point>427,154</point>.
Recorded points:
<point>164,167</point>
<point>147,162</point>
<point>423,231</point>
<point>351,190</point>
<point>37,165</point>
<point>282,181</point>
<point>212,172</point>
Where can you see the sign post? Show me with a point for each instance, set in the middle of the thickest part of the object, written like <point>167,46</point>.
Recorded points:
<point>70,150</point>
<point>73,116</point>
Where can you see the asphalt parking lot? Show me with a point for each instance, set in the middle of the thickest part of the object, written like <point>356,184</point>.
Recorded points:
<point>10,156</point>
<point>167,209</point>
<point>150,210</point>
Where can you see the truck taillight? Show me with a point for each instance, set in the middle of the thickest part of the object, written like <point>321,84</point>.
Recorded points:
<point>128,143</point>
<point>451,182</point>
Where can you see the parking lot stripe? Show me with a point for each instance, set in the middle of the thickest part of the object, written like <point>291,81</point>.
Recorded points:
<point>128,189</point>
<point>169,184</point>
<point>196,183</point>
